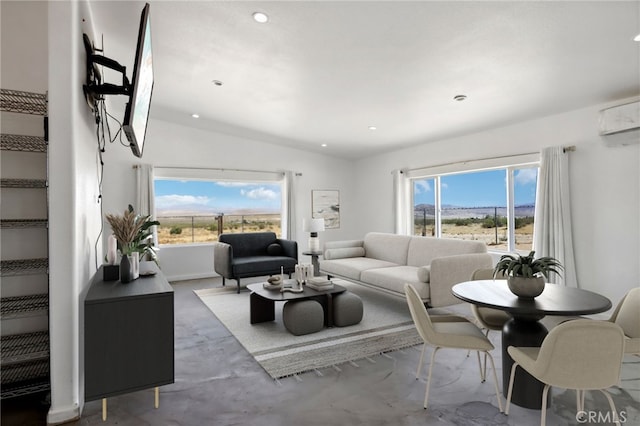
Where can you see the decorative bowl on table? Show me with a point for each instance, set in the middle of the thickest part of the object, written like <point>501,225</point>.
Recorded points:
<point>526,288</point>
<point>273,283</point>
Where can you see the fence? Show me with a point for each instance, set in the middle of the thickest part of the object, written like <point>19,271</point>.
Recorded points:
<point>487,224</point>
<point>203,229</point>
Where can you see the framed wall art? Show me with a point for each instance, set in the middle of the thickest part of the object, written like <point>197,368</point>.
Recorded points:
<point>325,203</point>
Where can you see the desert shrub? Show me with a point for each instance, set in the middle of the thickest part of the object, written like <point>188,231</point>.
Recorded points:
<point>523,221</point>
<point>213,227</point>
<point>490,222</point>
<point>176,230</point>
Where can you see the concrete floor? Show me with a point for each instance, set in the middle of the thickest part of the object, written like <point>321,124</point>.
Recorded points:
<point>218,383</point>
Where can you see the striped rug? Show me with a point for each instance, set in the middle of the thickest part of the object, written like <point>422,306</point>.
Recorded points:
<point>386,326</point>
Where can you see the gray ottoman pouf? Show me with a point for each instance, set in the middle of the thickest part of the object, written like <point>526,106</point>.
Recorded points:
<point>347,309</point>
<point>303,317</point>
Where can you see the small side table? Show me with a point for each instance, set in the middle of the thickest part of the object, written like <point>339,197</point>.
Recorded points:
<point>314,261</point>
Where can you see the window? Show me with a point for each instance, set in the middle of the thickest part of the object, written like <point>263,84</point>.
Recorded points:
<point>473,207</point>
<point>525,181</point>
<point>494,205</point>
<point>424,211</point>
<point>197,210</point>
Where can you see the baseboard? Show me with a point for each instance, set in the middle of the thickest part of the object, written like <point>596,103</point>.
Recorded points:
<point>186,277</point>
<point>63,415</point>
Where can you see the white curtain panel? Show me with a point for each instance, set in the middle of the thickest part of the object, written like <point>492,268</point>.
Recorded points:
<point>552,234</point>
<point>145,194</point>
<point>401,200</point>
<point>289,219</point>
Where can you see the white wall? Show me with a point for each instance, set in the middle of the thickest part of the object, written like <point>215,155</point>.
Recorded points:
<point>174,145</point>
<point>605,186</point>
<point>74,212</point>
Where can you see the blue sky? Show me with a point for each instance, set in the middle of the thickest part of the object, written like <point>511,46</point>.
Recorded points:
<point>207,197</point>
<point>480,189</point>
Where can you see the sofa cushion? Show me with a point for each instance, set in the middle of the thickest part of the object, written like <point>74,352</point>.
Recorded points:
<point>422,250</point>
<point>352,267</point>
<point>253,266</point>
<point>340,253</point>
<point>249,244</point>
<point>274,249</point>
<point>390,247</point>
<point>393,279</point>
<point>343,244</point>
<point>424,273</point>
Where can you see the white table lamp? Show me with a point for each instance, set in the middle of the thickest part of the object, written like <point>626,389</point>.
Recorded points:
<point>313,226</point>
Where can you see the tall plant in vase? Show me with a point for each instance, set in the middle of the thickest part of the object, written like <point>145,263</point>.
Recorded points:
<point>133,233</point>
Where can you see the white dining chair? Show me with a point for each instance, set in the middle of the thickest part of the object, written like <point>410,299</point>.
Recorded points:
<point>487,318</point>
<point>627,316</point>
<point>447,331</point>
<point>579,354</point>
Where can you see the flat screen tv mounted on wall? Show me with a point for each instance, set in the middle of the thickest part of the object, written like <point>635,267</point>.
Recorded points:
<point>138,91</point>
<point>136,113</point>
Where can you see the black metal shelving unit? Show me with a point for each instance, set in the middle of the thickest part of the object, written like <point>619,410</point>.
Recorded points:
<point>24,357</point>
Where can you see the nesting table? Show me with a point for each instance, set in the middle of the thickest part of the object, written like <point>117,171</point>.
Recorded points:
<point>262,301</point>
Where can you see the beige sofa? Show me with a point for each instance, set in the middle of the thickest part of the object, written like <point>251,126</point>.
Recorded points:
<point>388,261</point>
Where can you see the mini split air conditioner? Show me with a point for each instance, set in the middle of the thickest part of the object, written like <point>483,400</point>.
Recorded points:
<point>620,125</point>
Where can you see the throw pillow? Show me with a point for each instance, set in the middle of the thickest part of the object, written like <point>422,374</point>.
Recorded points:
<point>340,253</point>
<point>274,249</point>
<point>424,274</point>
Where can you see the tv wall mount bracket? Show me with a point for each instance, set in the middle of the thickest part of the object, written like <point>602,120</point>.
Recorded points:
<point>94,89</point>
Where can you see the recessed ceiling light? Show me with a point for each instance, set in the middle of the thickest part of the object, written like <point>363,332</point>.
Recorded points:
<point>217,82</point>
<point>260,17</point>
<point>324,145</point>
<point>460,98</point>
<point>373,128</point>
<point>637,38</point>
<point>195,115</point>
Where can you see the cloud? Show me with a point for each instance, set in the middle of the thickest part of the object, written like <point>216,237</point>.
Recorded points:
<point>175,200</point>
<point>233,184</point>
<point>260,194</point>
<point>422,186</point>
<point>526,176</point>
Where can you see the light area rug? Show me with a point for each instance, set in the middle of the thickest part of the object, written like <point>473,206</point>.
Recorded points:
<point>386,326</point>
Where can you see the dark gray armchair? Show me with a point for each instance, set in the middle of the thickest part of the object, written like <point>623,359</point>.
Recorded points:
<point>254,254</point>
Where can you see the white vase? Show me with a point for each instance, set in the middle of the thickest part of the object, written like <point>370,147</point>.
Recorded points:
<point>112,250</point>
<point>135,264</point>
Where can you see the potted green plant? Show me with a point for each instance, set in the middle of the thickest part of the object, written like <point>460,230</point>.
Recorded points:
<point>526,274</point>
<point>143,241</point>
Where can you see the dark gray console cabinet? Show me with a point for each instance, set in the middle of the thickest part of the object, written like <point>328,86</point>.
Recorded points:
<point>128,335</point>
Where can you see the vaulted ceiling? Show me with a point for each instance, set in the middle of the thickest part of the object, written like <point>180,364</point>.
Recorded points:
<point>325,72</point>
